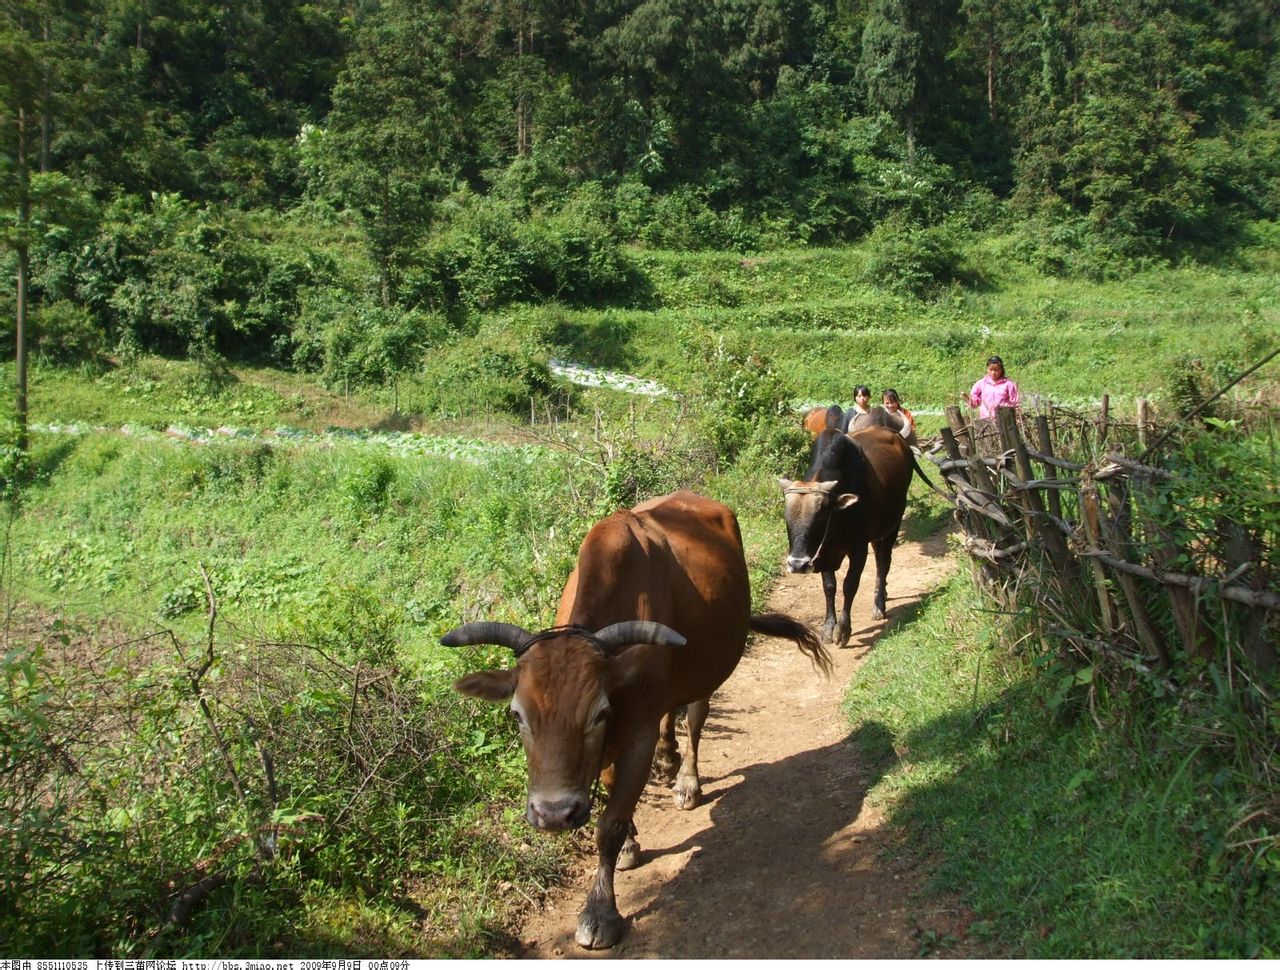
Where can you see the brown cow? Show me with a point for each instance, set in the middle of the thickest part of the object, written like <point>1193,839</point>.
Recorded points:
<point>818,420</point>
<point>590,693</point>
<point>854,493</point>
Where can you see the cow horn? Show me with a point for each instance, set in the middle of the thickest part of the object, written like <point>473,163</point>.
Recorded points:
<point>638,631</point>
<point>502,634</point>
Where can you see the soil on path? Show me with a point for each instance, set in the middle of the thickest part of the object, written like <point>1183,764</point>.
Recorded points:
<point>783,859</point>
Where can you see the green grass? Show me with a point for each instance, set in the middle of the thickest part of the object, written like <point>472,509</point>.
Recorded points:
<point>1069,838</point>
<point>355,549</point>
<point>825,331</point>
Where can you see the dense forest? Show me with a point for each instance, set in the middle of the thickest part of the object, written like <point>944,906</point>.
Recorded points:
<point>339,184</point>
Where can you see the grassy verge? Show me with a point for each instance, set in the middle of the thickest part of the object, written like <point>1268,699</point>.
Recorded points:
<point>1073,832</point>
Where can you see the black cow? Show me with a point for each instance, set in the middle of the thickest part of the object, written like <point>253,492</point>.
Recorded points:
<point>854,493</point>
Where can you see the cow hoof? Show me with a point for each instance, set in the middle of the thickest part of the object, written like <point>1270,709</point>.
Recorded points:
<point>666,765</point>
<point>628,856</point>
<point>842,637</point>
<point>829,632</point>
<point>689,798</point>
<point>877,614</point>
<point>598,931</point>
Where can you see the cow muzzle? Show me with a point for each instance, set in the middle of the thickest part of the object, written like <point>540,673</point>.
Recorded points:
<point>558,814</point>
<point>800,564</point>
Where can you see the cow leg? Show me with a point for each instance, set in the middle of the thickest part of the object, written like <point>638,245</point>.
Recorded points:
<point>599,924</point>
<point>629,854</point>
<point>884,556</point>
<point>857,560</point>
<point>666,759</point>
<point>688,789</point>
<point>829,592</point>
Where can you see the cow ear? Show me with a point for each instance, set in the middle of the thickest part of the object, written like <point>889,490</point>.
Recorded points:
<point>488,685</point>
<point>786,483</point>
<point>846,501</point>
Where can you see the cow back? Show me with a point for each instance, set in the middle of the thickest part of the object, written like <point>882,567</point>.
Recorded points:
<point>876,417</point>
<point>676,560</point>
<point>823,419</point>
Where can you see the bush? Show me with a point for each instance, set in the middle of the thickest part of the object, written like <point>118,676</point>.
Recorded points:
<point>289,777</point>
<point>493,252</point>
<point>742,407</point>
<point>918,262</point>
<point>64,334</point>
<point>353,341</point>
<point>169,276</point>
<point>502,368</point>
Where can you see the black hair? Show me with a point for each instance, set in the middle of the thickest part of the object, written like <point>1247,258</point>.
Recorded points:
<point>892,395</point>
<point>993,359</point>
<point>862,389</point>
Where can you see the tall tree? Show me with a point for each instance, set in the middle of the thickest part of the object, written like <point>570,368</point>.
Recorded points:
<point>22,84</point>
<point>391,140</point>
<point>902,45</point>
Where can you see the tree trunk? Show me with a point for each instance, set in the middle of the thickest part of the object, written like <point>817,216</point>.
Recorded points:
<point>20,333</point>
<point>911,137</point>
<point>46,105</point>
<point>523,146</point>
<point>991,76</point>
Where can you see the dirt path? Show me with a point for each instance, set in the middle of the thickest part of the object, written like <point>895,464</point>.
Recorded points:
<point>782,859</point>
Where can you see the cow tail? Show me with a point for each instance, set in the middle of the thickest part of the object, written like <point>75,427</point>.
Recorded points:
<point>788,628</point>
<point>925,478</point>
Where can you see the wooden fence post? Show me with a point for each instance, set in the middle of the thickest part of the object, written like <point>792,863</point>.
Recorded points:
<point>963,436</point>
<point>1144,421</point>
<point>1090,518</point>
<point>1033,508</point>
<point>1114,533</point>
<point>1046,448</point>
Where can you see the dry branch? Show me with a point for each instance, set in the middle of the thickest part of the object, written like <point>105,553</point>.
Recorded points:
<point>1197,584</point>
<point>986,549</point>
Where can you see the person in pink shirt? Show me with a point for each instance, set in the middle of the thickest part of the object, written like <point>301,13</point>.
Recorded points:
<point>993,391</point>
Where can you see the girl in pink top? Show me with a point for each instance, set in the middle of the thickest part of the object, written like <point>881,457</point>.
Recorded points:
<point>993,391</point>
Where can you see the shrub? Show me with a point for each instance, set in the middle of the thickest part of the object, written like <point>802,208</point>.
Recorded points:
<point>172,275</point>
<point>503,367</point>
<point>493,252</point>
<point>353,341</point>
<point>742,406</point>
<point>65,334</point>
<point>912,261</point>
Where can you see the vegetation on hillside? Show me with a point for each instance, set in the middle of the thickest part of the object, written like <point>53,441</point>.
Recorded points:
<point>225,728</point>
<point>348,188</point>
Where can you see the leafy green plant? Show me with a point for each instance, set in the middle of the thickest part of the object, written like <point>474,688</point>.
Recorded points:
<point>912,261</point>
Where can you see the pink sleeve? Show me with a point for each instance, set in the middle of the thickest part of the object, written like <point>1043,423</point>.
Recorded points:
<point>974,397</point>
<point>1013,397</point>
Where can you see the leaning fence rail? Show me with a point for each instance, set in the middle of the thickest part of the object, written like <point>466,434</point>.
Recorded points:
<point>1108,573</point>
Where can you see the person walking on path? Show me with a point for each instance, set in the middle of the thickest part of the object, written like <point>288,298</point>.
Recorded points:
<point>993,391</point>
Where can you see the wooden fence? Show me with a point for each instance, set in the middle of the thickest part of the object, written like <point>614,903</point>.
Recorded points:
<point>1072,536</point>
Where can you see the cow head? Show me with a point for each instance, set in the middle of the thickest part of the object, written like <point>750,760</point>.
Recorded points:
<point>810,507</point>
<point>558,693</point>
